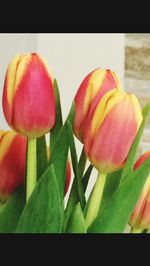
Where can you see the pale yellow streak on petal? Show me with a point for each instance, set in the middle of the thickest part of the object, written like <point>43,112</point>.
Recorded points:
<point>95,83</point>
<point>2,132</point>
<point>25,59</point>
<point>137,108</point>
<point>5,142</point>
<point>47,67</point>
<point>11,77</point>
<point>108,101</point>
<point>118,82</point>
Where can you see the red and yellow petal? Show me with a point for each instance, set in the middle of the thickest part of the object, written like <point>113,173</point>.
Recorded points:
<point>90,92</point>
<point>29,106</point>
<point>112,129</point>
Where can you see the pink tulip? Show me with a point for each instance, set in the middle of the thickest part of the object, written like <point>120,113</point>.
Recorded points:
<point>110,130</point>
<point>90,92</point>
<point>28,97</point>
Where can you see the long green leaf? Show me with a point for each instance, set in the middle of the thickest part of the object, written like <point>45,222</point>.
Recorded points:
<point>59,121</point>
<point>86,177</point>
<point>41,156</point>
<point>74,197</point>
<point>60,154</point>
<point>115,215</point>
<point>76,222</point>
<point>11,212</point>
<point>111,185</point>
<point>75,166</point>
<point>43,213</point>
<point>146,110</point>
<point>132,153</point>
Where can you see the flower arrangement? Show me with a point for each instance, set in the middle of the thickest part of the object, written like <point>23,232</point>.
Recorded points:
<point>35,176</point>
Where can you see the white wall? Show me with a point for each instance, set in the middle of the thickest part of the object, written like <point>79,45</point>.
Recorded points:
<point>70,56</point>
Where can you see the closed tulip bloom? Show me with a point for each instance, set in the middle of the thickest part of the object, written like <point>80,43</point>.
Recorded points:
<point>12,162</point>
<point>111,129</point>
<point>28,96</point>
<point>140,218</point>
<point>90,92</point>
<point>68,172</point>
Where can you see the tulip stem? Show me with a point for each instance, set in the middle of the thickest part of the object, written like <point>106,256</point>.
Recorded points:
<point>95,199</point>
<point>135,230</point>
<point>31,168</point>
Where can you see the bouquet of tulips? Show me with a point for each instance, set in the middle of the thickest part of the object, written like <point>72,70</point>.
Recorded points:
<point>35,175</point>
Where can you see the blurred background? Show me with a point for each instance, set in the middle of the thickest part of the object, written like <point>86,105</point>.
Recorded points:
<point>72,56</point>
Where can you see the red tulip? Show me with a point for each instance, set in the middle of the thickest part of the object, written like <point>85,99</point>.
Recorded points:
<point>90,92</point>
<point>12,162</point>
<point>111,129</point>
<point>28,97</point>
<point>140,217</point>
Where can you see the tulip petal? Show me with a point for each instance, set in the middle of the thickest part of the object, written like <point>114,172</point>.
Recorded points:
<point>112,130</point>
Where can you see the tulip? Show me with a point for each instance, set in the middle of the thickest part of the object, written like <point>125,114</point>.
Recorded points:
<point>108,135</point>
<point>29,104</point>
<point>140,217</point>
<point>111,129</point>
<point>28,96</point>
<point>68,172</point>
<point>90,92</point>
<point>12,162</point>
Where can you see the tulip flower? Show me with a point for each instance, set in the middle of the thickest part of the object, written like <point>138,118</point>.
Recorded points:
<point>90,92</point>
<point>111,129</point>
<point>29,104</point>
<point>28,97</point>
<point>68,172</point>
<point>12,162</point>
<point>140,218</point>
<point>108,136</point>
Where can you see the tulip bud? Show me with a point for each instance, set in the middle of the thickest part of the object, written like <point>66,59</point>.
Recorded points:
<point>140,217</point>
<point>68,172</point>
<point>28,96</point>
<point>90,92</point>
<point>111,129</point>
<point>12,162</point>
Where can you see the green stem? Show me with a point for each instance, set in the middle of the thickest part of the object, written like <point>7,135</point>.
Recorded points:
<point>95,200</point>
<point>135,230</point>
<point>31,168</point>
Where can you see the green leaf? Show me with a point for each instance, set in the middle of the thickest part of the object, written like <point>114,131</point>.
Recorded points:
<point>59,158</point>
<point>59,121</point>
<point>146,110</point>
<point>43,211</point>
<point>128,168</point>
<point>111,185</point>
<point>75,166</point>
<point>10,214</point>
<point>73,196</point>
<point>115,215</point>
<point>76,222</point>
<point>41,156</point>
<point>59,154</point>
<point>86,177</point>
